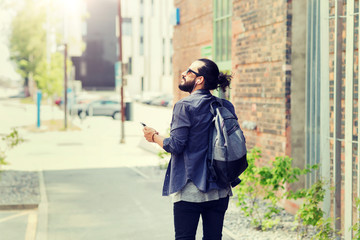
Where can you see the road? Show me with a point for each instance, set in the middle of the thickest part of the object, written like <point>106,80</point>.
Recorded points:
<point>92,186</point>
<point>112,203</point>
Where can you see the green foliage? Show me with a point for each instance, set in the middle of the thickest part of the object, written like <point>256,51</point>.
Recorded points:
<point>49,76</point>
<point>266,184</point>
<point>251,189</point>
<point>27,48</point>
<point>310,213</point>
<point>10,141</point>
<point>164,156</point>
<point>164,159</point>
<point>356,226</point>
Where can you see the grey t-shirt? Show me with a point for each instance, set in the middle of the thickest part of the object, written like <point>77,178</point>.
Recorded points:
<point>190,193</point>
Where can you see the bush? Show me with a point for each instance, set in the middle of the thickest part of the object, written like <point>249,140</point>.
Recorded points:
<point>356,226</point>
<point>311,214</point>
<point>263,184</point>
<point>10,141</point>
<point>164,156</point>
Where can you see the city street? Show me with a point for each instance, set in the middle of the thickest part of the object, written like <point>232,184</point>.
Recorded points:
<point>109,203</point>
<point>92,187</point>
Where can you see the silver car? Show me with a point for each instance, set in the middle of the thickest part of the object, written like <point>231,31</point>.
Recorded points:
<point>101,108</point>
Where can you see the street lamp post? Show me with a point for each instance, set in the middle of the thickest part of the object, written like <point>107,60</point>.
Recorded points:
<point>122,127</point>
<point>65,85</point>
<point>66,7</point>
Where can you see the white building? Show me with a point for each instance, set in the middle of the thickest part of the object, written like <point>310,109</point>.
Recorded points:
<point>147,45</point>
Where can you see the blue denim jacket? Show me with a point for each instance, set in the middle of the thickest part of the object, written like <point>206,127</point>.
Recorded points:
<point>188,143</point>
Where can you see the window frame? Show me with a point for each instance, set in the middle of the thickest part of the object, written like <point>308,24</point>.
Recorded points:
<point>222,17</point>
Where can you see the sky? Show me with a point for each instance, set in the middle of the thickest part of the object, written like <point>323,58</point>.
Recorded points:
<point>7,69</point>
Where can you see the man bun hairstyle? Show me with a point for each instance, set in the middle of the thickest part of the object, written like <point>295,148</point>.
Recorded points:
<point>213,77</point>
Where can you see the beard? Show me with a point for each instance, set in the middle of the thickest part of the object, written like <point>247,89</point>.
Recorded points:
<point>187,86</point>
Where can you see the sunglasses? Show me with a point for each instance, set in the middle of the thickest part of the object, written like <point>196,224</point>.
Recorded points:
<point>192,71</point>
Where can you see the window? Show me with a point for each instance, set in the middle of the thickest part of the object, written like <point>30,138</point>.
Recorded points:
<point>130,66</point>
<point>171,56</point>
<point>126,26</point>
<point>222,30</point>
<point>141,49</point>
<point>152,7</point>
<point>141,7</point>
<point>83,69</point>
<point>141,45</point>
<point>332,106</point>
<point>222,38</point>
<point>163,57</point>
<point>142,84</point>
<point>141,26</point>
<point>163,63</point>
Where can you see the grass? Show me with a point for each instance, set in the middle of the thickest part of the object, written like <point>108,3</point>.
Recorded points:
<point>52,125</point>
<point>28,100</point>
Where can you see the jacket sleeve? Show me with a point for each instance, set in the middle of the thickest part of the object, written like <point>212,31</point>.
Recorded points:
<point>179,132</point>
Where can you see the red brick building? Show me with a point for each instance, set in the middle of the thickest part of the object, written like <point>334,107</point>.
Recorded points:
<point>295,85</point>
<point>258,45</point>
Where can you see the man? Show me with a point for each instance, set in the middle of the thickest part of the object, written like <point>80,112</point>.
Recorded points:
<point>187,177</point>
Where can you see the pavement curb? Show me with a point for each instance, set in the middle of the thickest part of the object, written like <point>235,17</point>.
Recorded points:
<point>230,234</point>
<point>150,147</point>
<point>139,172</point>
<point>42,227</point>
<point>18,206</point>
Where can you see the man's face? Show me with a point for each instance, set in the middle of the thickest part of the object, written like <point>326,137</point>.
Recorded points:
<point>188,77</point>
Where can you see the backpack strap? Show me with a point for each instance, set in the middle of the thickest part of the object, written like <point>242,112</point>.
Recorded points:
<point>217,101</point>
<point>213,106</point>
<point>210,159</point>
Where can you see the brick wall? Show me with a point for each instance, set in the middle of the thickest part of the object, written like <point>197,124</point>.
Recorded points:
<point>261,50</point>
<point>194,32</point>
<point>261,86</point>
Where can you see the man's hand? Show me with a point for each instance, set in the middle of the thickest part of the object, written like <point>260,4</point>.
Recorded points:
<point>149,133</point>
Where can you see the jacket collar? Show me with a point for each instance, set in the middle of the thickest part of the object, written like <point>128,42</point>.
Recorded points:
<point>201,92</point>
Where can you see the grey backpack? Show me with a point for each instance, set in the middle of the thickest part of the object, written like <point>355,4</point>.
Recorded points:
<point>227,149</point>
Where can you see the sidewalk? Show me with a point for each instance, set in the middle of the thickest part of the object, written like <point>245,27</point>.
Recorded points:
<point>22,224</point>
<point>90,148</point>
<point>94,147</point>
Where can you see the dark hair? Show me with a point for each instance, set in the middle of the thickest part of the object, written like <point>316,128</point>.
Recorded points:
<point>213,77</point>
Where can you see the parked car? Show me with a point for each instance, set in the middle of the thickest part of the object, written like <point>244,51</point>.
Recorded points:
<point>163,100</point>
<point>102,107</point>
<point>21,94</point>
<point>79,98</point>
<point>147,97</point>
<point>77,108</point>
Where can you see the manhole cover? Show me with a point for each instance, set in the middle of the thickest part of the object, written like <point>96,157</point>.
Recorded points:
<point>70,144</point>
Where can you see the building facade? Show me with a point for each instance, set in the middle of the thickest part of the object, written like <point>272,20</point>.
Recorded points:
<point>147,45</point>
<point>295,85</point>
<point>252,40</point>
<point>95,67</point>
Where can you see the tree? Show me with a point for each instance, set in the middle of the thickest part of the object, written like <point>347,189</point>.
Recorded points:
<point>28,35</point>
<point>49,76</point>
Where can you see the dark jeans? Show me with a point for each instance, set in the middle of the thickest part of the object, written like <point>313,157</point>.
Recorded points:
<point>187,214</point>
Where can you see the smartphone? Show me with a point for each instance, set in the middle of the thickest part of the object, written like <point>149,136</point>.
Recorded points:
<point>144,125</point>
